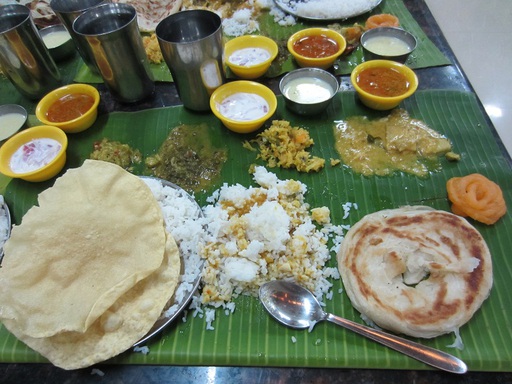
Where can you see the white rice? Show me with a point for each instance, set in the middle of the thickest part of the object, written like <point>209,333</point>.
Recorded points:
<point>183,221</point>
<point>330,9</point>
<point>4,224</point>
<point>258,234</point>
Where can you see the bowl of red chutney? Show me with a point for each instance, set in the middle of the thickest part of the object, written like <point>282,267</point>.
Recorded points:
<point>72,108</point>
<point>316,47</point>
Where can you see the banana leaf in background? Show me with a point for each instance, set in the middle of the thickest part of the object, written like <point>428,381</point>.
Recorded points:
<point>249,337</point>
<point>425,55</point>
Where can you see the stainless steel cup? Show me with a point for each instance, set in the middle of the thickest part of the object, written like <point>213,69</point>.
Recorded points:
<point>112,33</point>
<point>24,58</point>
<point>67,11</point>
<point>192,46</point>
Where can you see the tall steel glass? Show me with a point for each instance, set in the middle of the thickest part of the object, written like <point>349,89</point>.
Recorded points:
<point>67,11</point>
<point>24,58</point>
<point>113,36</point>
<point>192,46</point>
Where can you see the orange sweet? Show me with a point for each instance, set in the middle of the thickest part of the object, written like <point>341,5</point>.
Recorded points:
<point>477,197</point>
<point>382,20</point>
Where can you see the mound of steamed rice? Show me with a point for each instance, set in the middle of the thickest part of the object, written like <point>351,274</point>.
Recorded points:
<point>4,225</point>
<point>259,234</point>
<point>183,220</point>
<point>330,9</point>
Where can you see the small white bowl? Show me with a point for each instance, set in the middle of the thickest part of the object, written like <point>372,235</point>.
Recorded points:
<point>12,118</point>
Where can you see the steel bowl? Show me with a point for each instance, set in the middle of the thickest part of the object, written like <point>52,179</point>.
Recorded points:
<point>308,91</point>
<point>396,44</point>
<point>58,41</point>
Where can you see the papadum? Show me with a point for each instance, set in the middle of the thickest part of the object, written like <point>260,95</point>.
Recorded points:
<point>416,270</point>
<point>95,234</point>
<point>129,319</point>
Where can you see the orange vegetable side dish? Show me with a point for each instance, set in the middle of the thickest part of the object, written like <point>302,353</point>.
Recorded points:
<point>69,107</point>
<point>382,20</point>
<point>385,82</point>
<point>477,197</point>
<point>316,46</point>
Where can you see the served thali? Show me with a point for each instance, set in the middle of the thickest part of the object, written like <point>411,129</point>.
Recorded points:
<point>247,336</point>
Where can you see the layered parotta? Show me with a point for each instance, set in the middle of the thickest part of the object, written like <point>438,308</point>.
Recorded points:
<point>416,270</point>
<point>151,12</point>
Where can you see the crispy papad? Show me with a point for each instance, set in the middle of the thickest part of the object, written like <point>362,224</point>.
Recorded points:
<point>123,324</point>
<point>415,270</point>
<point>95,234</point>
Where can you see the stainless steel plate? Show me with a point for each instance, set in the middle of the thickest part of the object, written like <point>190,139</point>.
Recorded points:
<point>188,288</point>
<point>289,6</point>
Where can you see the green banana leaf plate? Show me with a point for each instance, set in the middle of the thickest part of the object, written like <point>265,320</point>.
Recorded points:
<point>249,337</point>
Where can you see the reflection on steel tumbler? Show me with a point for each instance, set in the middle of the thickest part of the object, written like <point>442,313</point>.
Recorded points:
<point>192,46</point>
<point>67,11</point>
<point>24,58</point>
<point>113,36</point>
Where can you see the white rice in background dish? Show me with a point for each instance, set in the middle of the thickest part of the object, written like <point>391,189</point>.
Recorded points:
<point>259,234</point>
<point>330,9</point>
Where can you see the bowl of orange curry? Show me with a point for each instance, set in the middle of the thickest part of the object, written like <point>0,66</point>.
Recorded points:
<point>316,47</point>
<point>72,108</point>
<point>383,84</point>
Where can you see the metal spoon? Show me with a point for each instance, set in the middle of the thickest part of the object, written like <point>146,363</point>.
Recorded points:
<point>297,307</point>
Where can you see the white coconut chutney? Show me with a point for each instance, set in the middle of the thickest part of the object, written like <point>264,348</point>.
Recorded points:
<point>10,123</point>
<point>387,46</point>
<point>308,90</point>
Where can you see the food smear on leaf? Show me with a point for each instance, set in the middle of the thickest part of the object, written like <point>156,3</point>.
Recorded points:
<point>188,158</point>
<point>395,143</point>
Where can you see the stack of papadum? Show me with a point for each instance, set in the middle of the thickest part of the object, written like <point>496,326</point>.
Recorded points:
<point>89,270</point>
<point>416,270</point>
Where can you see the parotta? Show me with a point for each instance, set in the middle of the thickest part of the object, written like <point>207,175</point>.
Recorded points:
<point>415,270</point>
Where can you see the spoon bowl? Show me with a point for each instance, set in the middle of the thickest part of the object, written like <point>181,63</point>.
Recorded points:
<point>296,307</point>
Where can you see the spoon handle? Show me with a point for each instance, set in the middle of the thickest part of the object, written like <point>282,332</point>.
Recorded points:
<point>427,355</point>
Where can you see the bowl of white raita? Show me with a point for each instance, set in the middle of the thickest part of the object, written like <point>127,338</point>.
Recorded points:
<point>308,91</point>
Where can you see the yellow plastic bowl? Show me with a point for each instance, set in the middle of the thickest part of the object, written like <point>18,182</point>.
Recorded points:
<point>15,142</point>
<point>76,125</point>
<point>243,86</point>
<point>323,62</point>
<point>383,103</point>
<point>250,41</point>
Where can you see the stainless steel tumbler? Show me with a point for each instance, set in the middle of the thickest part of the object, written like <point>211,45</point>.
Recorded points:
<point>112,33</point>
<point>24,58</point>
<point>192,46</point>
<point>67,11</point>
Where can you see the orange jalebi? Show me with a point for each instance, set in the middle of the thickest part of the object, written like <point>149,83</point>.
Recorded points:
<point>382,20</point>
<point>477,197</point>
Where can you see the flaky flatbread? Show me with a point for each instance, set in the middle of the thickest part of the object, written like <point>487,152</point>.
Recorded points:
<point>95,234</point>
<point>415,270</point>
<point>129,319</point>
<point>151,12</point>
